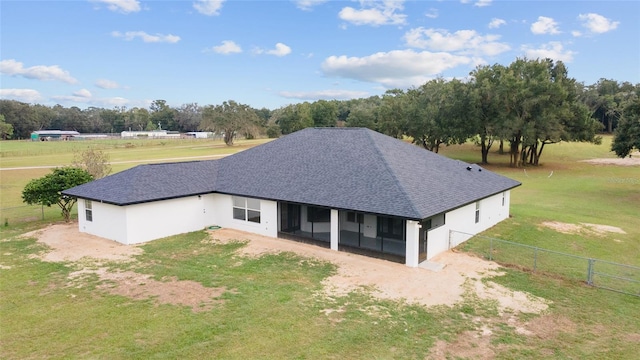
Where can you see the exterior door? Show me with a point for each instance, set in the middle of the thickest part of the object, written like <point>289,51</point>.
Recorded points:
<point>289,217</point>
<point>424,240</point>
<point>422,247</point>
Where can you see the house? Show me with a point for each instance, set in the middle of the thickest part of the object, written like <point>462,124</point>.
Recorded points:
<point>347,189</point>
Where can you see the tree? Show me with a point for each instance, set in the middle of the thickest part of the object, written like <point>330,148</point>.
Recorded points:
<point>324,113</point>
<point>93,161</point>
<point>294,117</point>
<point>439,112</point>
<point>47,190</point>
<point>6,130</point>
<point>487,117</point>
<point>392,113</point>
<point>113,119</point>
<point>163,114</point>
<point>230,118</point>
<point>188,117</point>
<point>627,134</point>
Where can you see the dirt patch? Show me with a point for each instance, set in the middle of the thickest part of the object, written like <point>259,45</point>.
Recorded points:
<point>468,345</point>
<point>141,287</point>
<point>88,252</point>
<point>388,280</point>
<point>509,299</point>
<point>66,243</point>
<point>632,160</point>
<point>582,228</point>
<point>549,326</point>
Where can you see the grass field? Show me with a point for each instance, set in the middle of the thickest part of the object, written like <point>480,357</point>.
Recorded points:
<point>275,311</point>
<point>123,154</point>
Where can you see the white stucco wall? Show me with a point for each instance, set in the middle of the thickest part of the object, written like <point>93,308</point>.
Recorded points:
<point>158,219</point>
<point>109,221</point>
<point>492,211</point>
<point>268,216</point>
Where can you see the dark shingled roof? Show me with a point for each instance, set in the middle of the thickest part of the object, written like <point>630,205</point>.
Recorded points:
<point>344,168</point>
<point>152,182</point>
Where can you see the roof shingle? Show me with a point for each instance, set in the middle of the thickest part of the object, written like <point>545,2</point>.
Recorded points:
<point>345,168</point>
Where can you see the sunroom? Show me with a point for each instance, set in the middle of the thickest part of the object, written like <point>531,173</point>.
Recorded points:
<point>358,232</point>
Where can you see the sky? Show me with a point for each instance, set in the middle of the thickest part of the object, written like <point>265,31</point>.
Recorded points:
<point>269,54</point>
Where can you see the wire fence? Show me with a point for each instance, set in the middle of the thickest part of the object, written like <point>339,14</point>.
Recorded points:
<point>602,274</point>
<point>28,213</point>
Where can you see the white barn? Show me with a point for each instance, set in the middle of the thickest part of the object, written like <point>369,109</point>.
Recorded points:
<point>348,189</point>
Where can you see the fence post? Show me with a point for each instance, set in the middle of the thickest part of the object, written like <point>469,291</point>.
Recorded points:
<point>590,271</point>
<point>535,259</point>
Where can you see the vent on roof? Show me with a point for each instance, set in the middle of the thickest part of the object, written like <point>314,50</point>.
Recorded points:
<point>469,167</point>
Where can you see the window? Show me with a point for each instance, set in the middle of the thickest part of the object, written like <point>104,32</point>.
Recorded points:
<point>389,227</point>
<point>355,217</point>
<point>504,194</point>
<point>316,214</point>
<point>88,210</point>
<point>246,209</point>
<point>477,212</point>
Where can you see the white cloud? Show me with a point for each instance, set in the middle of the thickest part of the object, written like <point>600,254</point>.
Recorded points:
<point>496,23</point>
<point>463,41</point>
<point>308,4</point>
<point>83,96</point>
<point>324,94</point>
<point>106,84</point>
<point>157,38</point>
<point>83,93</point>
<point>597,23</point>
<point>375,13</point>
<point>545,25</point>
<point>432,13</point>
<point>398,68</point>
<point>280,50</point>
<point>552,50</point>
<point>208,7</point>
<point>576,33</point>
<point>24,95</point>
<point>483,3</point>
<point>227,47</point>
<point>38,72</point>
<point>123,6</point>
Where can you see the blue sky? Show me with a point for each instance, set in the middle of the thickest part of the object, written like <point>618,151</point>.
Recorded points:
<point>108,53</point>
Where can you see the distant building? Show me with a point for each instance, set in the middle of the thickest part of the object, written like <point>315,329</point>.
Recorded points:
<point>198,134</point>
<point>51,135</point>
<point>153,134</point>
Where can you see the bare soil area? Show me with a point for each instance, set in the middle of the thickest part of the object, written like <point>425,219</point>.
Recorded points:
<point>582,228</point>
<point>632,160</point>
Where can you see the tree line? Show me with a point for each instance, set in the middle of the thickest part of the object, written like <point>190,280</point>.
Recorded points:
<point>519,108</point>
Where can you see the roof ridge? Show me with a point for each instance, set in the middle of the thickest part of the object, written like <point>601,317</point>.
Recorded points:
<point>391,171</point>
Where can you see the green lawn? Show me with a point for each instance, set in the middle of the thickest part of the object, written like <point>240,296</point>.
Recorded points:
<point>274,308</point>
<point>123,154</point>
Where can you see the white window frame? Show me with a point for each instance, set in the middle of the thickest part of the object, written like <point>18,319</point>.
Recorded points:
<point>246,209</point>
<point>504,195</point>
<point>477,212</point>
<point>88,210</point>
